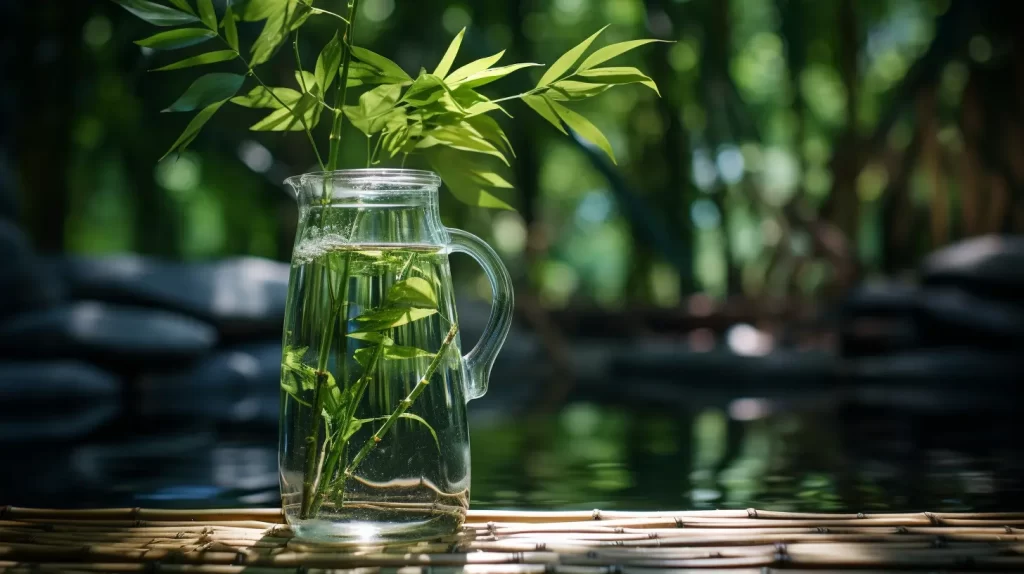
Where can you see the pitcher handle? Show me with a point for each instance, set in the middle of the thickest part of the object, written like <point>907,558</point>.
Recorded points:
<point>480,360</point>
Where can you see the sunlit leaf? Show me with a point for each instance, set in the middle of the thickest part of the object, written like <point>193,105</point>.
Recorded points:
<point>327,64</point>
<point>200,60</point>
<point>584,128</point>
<point>445,65</point>
<point>608,52</point>
<point>412,292</point>
<point>462,140</point>
<point>562,64</point>
<point>544,110</point>
<point>194,127</point>
<point>492,74</point>
<point>260,97</point>
<point>390,317</point>
<point>426,90</point>
<point>206,90</point>
<point>361,73</point>
<point>489,179</point>
<point>174,39</point>
<point>371,115</point>
<point>207,14</point>
<point>487,128</point>
<point>305,110</point>
<point>618,76</point>
<point>255,10</point>
<point>307,82</point>
<point>284,17</point>
<point>183,5</point>
<point>384,65</point>
<point>230,28</point>
<point>462,177</point>
<point>570,90</point>
<point>473,67</point>
<point>157,14</point>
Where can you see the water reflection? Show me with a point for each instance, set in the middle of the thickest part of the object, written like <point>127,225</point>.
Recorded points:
<point>590,454</point>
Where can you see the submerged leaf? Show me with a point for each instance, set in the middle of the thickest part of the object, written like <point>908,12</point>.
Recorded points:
<point>393,352</point>
<point>193,128</point>
<point>608,52</point>
<point>207,90</point>
<point>372,338</point>
<point>157,14</point>
<point>358,423</point>
<point>200,60</point>
<point>174,39</point>
<point>562,64</point>
<point>445,65</point>
<point>412,292</point>
<point>390,317</point>
<point>584,128</point>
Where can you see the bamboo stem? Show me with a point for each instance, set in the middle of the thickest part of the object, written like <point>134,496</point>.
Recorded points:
<point>341,90</point>
<point>404,405</point>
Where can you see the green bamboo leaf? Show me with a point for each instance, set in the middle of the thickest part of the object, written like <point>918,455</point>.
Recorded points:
<point>540,105</point>
<point>562,65</point>
<point>230,28</point>
<point>473,67</point>
<point>183,5</point>
<point>423,422</point>
<point>384,65</point>
<point>369,116</point>
<point>372,338</point>
<point>157,14</point>
<point>487,128</point>
<point>207,90</point>
<point>573,90</point>
<point>327,64</point>
<point>426,90</point>
<point>618,76</point>
<point>445,65</point>
<point>583,127</point>
<point>174,39</point>
<point>412,292</point>
<point>256,10</point>
<point>260,97</point>
<point>307,82</point>
<point>284,17</point>
<point>207,14</point>
<point>491,75</point>
<point>611,51</point>
<point>389,317</point>
<point>484,108</point>
<point>200,60</point>
<point>463,178</point>
<point>194,127</point>
<point>392,352</point>
<point>307,109</point>
<point>490,179</point>
<point>462,140</point>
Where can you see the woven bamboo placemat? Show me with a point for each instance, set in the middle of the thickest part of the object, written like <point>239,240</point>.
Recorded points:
<point>257,541</point>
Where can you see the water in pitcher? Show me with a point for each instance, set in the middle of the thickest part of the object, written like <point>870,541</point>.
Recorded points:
<point>373,431</point>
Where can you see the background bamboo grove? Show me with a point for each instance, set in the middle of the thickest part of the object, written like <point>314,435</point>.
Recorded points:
<point>799,145</point>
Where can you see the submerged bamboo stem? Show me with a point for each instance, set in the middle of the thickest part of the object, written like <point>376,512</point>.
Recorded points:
<point>404,405</point>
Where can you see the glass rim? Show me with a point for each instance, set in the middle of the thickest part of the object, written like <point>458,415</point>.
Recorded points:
<point>371,179</point>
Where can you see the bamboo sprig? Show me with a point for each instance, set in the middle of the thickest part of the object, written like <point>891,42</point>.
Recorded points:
<point>341,91</point>
<point>404,405</point>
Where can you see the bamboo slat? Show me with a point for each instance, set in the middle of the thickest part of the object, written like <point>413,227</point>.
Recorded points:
<point>593,542</point>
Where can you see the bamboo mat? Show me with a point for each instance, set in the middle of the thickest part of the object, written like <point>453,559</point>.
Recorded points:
<point>257,541</point>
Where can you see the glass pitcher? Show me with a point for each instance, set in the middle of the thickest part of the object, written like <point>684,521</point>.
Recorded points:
<point>373,439</point>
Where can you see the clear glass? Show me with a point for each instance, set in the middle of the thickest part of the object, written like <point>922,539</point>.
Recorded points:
<point>373,440</point>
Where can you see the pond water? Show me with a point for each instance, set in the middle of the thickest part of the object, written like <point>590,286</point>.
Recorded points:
<point>590,453</point>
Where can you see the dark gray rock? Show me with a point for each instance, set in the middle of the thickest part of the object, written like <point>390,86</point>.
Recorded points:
<point>107,333</point>
<point>991,265</point>
<point>54,400</point>
<point>243,297</point>
<point>954,316</point>
<point>240,384</point>
<point>25,282</point>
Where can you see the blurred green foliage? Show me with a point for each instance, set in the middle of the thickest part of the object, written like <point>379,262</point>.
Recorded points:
<point>799,144</point>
